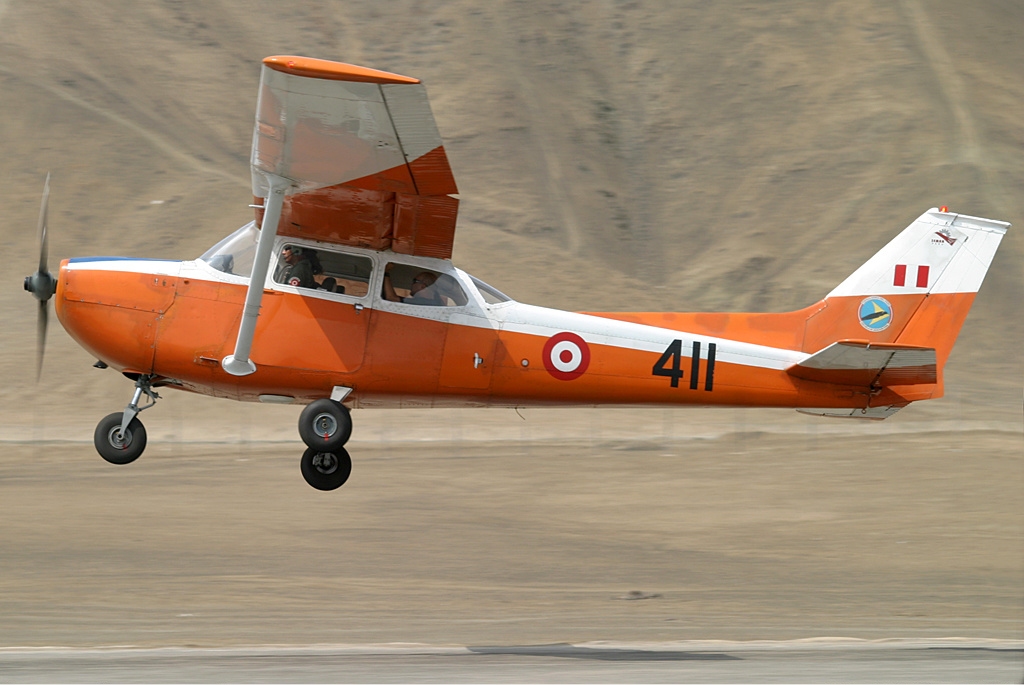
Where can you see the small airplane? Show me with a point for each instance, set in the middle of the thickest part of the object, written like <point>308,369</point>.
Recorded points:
<point>341,294</point>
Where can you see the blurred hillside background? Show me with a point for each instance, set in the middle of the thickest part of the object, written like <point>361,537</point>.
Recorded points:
<point>617,155</point>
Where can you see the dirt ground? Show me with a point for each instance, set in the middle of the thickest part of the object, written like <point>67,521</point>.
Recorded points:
<point>746,536</point>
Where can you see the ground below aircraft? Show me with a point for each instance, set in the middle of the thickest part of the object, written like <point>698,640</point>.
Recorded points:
<point>341,294</point>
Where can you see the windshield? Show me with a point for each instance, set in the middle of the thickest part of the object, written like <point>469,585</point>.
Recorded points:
<point>491,294</point>
<point>235,254</point>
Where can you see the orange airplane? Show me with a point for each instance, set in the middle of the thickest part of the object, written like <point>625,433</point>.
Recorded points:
<point>342,294</point>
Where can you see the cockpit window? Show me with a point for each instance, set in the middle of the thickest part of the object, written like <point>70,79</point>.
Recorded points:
<point>236,253</point>
<point>336,272</point>
<point>414,285</point>
<point>490,294</point>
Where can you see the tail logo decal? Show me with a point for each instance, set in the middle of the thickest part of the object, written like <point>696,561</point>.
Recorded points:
<point>946,236</point>
<point>566,356</point>
<point>875,314</point>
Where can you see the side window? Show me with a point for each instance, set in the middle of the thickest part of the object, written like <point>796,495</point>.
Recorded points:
<point>335,272</point>
<point>346,273</point>
<point>414,285</point>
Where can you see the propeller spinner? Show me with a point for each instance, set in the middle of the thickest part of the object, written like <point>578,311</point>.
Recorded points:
<point>41,284</point>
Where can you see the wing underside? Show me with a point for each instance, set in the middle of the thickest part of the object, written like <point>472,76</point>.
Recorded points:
<point>363,154</point>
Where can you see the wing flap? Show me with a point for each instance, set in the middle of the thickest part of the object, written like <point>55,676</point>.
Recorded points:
<point>858,362</point>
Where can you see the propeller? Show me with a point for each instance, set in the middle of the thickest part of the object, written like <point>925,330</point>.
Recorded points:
<point>41,284</point>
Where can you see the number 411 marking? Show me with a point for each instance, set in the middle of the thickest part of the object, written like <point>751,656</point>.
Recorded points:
<point>671,361</point>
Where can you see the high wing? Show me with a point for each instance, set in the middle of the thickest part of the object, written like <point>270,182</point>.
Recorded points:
<point>363,153</point>
<point>346,155</point>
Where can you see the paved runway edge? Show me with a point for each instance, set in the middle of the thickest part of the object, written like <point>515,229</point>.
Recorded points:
<point>403,648</point>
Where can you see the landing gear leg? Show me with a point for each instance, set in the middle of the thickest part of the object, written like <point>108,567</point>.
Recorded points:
<point>120,437</point>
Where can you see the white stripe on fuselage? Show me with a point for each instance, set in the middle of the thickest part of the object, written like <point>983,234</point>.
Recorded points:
<point>155,267</point>
<point>597,330</point>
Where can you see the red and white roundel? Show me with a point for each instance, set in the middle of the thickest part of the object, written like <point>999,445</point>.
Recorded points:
<point>566,356</point>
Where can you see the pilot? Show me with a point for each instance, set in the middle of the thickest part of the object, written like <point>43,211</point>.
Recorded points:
<point>299,270</point>
<point>420,292</point>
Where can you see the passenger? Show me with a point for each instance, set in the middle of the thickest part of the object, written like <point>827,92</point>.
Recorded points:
<point>299,270</point>
<point>420,292</point>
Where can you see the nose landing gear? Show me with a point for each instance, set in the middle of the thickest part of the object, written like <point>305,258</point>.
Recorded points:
<point>120,437</point>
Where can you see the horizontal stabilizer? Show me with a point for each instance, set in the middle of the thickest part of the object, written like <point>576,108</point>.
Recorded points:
<point>858,362</point>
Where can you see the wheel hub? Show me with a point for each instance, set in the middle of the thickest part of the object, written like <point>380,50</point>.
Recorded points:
<point>325,425</point>
<point>119,440</point>
<point>325,463</point>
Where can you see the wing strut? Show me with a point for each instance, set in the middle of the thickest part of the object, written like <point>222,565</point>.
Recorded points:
<point>239,364</point>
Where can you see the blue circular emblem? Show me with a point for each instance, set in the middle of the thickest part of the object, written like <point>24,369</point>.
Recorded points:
<point>875,314</point>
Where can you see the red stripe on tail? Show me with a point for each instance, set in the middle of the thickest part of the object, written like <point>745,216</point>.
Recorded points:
<point>922,276</point>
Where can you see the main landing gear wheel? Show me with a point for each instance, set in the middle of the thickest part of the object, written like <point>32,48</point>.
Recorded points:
<point>326,470</point>
<point>325,425</point>
<point>116,446</point>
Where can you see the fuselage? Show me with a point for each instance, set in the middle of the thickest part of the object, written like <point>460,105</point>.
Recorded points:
<point>177,320</point>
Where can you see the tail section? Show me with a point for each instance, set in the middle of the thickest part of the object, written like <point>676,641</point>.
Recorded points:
<point>903,308</point>
<point>916,290</point>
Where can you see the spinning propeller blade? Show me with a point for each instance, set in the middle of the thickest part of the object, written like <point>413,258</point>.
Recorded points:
<point>41,284</point>
<point>44,245</point>
<point>41,321</point>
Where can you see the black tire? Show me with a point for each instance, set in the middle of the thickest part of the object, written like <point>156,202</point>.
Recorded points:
<point>114,447</point>
<point>325,425</point>
<point>326,470</point>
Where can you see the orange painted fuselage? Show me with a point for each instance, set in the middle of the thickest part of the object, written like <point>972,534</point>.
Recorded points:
<point>177,320</point>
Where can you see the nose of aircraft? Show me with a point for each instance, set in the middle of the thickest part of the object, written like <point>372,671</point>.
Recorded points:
<point>112,306</point>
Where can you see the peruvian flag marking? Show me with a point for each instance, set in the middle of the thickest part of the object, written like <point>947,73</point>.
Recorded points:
<point>899,278</point>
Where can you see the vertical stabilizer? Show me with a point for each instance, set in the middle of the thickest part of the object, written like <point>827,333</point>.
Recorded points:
<point>916,290</point>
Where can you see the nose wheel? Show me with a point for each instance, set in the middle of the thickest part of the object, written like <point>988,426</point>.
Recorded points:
<point>120,438</point>
<point>117,445</point>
